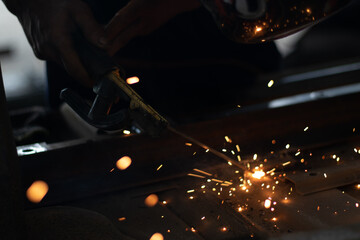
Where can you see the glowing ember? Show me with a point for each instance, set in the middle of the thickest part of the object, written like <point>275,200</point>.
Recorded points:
<point>325,175</point>
<point>356,204</point>
<point>37,191</point>
<point>274,219</point>
<point>121,219</point>
<point>123,163</point>
<point>203,172</point>
<point>238,148</point>
<point>267,203</point>
<point>287,146</point>
<point>132,80</point>
<point>305,129</point>
<point>255,156</point>
<point>190,191</point>
<point>271,82</point>
<point>151,200</point>
<point>164,202</point>
<point>193,229</point>
<point>157,236</point>
<point>358,186</point>
<point>258,174</point>
<point>188,144</point>
<point>230,163</point>
<point>203,218</point>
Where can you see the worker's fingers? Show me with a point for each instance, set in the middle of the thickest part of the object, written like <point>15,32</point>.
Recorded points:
<point>122,19</point>
<point>72,63</point>
<point>124,37</point>
<point>90,28</point>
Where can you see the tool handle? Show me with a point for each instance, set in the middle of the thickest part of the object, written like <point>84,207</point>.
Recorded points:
<point>95,60</point>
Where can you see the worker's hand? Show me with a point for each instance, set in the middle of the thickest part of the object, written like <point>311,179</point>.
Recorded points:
<point>141,17</point>
<point>49,26</point>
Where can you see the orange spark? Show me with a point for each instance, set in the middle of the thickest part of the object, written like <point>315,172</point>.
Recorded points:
<point>123,163</point>
<point>227,139</point>
<point>151,200</point>
<point>267,203</point>
<point>37,191</point>
<point>195,175</point>
<point>132,80</point>
<point>270,84</point>
<point>126,132</point>
<point>224,229</point>
<point>157,236</point>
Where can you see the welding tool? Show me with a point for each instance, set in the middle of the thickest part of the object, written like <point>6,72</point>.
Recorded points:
<point>111,89</point>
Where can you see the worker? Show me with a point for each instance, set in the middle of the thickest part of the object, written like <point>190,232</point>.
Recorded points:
<point>149,30</point>
<point>49,25</point>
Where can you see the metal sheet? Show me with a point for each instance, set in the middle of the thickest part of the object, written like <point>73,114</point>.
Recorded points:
<point>325,178</point>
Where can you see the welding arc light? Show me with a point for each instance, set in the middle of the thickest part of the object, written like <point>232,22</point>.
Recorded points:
<point>258,174</point>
